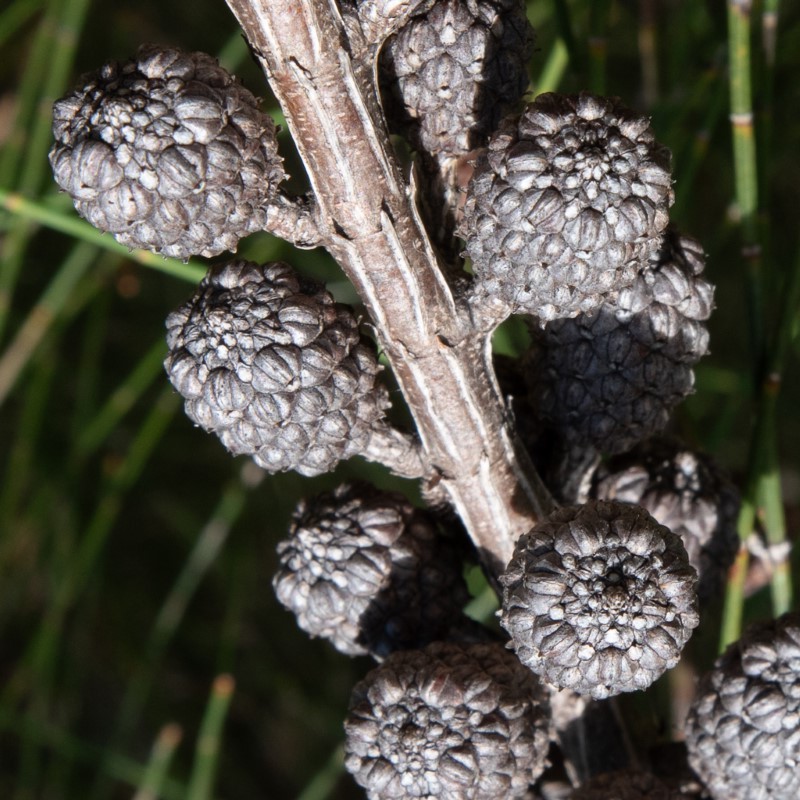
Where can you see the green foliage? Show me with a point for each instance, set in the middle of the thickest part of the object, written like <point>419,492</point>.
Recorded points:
<point>136,555</point>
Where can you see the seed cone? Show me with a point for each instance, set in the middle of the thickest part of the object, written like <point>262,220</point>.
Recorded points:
<point>743,730</point>
<point>566,206</point>
<point>612,379</point>
<point>625,785</point>
<point>450,721</point>
<point>369,572</point>
<point>451,74</point>
<point>599,599</point>
<point>275,368</point>
<point>167,152</point>
<point>686,492</point>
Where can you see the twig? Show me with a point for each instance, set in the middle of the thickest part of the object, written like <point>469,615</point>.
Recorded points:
<point>381,18</point>
<point>369,224</point>
<point>398,451</point>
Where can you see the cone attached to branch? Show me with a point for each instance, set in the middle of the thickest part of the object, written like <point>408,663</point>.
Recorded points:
<point>566,206</point>
<point>612,378</point>
<point>685,491</point>
<point>599,599</point>
<point>451,74</point>
<point>743,730</point>
<point>371,573</point>
<point>168,152</point>
<point>450,721</point>
<point>275,368</point>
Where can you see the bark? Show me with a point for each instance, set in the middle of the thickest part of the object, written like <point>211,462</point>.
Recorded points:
<point>367,218</point>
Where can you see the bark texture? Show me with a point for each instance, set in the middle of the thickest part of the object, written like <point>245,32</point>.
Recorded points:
<point>367,219</point>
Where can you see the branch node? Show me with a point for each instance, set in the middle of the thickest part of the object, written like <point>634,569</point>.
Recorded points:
<point>293,219</point>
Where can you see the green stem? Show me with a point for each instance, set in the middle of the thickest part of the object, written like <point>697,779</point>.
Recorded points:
<point>206,549</point>
<point>762,481</point>
<point>28,94</point>
<point>44,642</point>
<point>565,32</point>
<point>15,16</point>
<point>192,271</point>
<point>554,67</point>
<point>63,742</point>
<point>42,316</point>
<point>744,157</point>
<point>648,52</point>
<point>201,782</point>
<point>95,431</point>
<point>598,44</point>
<point>155,775</point>
<point>746,179</point>
<point>321,786</point>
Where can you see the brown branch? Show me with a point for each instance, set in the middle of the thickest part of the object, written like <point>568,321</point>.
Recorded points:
<point>370,225</point>
<point>381,18</point>
<point>398,451</point>
<point>292,219</point>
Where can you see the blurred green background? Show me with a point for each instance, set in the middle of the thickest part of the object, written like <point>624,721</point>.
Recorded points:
<point>136,555</point>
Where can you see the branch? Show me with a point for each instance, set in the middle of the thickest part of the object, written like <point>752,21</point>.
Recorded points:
<point>293,220</point>
<point>369,224</point>
<point>398,451</point>
<point>381,18</point>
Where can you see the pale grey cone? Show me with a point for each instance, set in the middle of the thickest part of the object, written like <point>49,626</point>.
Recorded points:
<point>566,206</point>
<point>451,721</point>
<point>599,599</point>
<point>743,730</point>
<point>369,572</point>
<point>168,152</point>
<point>275,368</point>
<point>451,74</point>
<point>688,493</point>
<point>612,378</point>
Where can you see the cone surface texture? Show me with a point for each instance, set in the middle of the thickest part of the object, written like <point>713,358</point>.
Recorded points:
<point>369,572</point>
<point>612,379</point>
<point>566,206</point>
<point>686,492</point>
<point>743,730</point>
<point>275,368</point>
<point>168,152</point>
<point>625,785</point>
<point>599,599</point>
<point>450,721</point>
<point>451,74</point>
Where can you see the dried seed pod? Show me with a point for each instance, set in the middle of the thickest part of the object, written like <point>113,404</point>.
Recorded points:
<point>275,368</point>
<point>743,730</point>
<point>167,152</point>
<point>599,599</point>
<point>625,785</point>
<point>451,74</point>
<point>612,379</point>
<point>369,572</point>
<point>450,721</point>
<point>685,491</point>
<point>566,206</point>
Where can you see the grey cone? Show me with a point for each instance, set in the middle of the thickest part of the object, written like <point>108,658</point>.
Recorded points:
<point>743,729</point>
<point>369,572</point>
<point>566,206</point>
<point>685,491</point>
<point>451,74</point>
<point>612,378</point>
<point>275,368</point>
<point>450,721</point>
<point>168,152</point>
<point>599,599</point>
